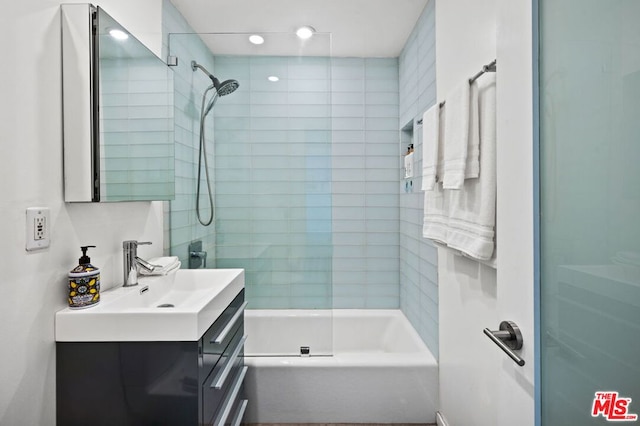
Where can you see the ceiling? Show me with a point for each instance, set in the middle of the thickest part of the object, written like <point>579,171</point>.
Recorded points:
<point>356,28</point>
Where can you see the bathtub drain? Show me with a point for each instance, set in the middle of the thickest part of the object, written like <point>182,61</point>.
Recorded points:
<point>304,350</point>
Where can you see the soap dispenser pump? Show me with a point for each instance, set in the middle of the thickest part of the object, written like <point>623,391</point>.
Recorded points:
<point>84,283</point>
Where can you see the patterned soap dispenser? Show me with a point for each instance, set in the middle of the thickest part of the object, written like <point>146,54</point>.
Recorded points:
<point>84,283</point>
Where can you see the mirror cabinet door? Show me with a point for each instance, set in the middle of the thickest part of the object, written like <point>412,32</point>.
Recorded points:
<point>125,148</point>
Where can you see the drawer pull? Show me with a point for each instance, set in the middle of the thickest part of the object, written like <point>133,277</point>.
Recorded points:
<point>240,413</point>
<point>232,397</point>
<point>227,368</point>
<point>229,325</point>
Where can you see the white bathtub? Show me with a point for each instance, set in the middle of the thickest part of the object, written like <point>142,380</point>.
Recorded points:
<point>380,370</point>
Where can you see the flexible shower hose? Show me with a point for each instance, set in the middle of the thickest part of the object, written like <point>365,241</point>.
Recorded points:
<point>203,153</point>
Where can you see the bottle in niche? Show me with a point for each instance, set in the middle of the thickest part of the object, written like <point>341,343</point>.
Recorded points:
<point>408,163</point>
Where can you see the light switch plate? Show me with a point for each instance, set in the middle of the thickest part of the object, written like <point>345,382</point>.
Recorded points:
<point>38,224</point>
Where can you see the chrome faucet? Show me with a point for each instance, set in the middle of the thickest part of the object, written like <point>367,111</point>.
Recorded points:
<point>131,261</point>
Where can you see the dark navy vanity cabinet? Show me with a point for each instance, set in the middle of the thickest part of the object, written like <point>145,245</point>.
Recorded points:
<point>155,383</point>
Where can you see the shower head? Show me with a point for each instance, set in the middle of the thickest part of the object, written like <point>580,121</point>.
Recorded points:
<point>227,86</point>
<point>224,88</point>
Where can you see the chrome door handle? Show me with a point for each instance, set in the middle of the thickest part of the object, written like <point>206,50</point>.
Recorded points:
<point>508,338</point>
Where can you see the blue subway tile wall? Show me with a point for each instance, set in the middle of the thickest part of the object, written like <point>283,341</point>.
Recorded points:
<point>273,141</point>
<point>306,173</point>
<point>365,174</point>
<point>181,225</point>
<point>418,256</point>
<point>273,179</point>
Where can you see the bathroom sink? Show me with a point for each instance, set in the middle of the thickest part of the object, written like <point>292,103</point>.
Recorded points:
<point>176,307</point>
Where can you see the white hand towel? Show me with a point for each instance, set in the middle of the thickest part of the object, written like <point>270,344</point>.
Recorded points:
<point>472,210</point>
<point>430,146</point>
<point>164,265</point>
<point>456,136</point>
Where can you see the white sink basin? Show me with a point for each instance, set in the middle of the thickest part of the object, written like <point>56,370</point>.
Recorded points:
<point>177,307</point>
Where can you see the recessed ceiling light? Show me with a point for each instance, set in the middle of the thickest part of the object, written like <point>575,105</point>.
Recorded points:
<point>305,32</point>
<point>256,39</point>
<point>273,78</point>
<point>118,34</point>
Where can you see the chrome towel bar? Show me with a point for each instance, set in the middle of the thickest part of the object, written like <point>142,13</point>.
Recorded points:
<point>490,67</point>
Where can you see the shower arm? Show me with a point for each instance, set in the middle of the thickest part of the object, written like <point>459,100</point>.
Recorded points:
<point>195,66</point>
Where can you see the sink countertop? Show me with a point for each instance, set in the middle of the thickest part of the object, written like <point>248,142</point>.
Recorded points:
<point>132,314</point>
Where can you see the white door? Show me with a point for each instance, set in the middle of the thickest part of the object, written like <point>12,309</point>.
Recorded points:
<point>479,384</point>
<point>516,207</point>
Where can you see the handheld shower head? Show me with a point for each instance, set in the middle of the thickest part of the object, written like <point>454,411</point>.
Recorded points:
<point>227,86</point>
<point>224,88</point>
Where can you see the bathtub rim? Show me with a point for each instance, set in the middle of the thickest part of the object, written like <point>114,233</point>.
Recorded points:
<point>422,357</point>
<point>340,383</point>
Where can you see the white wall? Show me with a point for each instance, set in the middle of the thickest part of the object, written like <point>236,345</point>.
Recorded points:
<point>474,373</point>
<point>33,285</point>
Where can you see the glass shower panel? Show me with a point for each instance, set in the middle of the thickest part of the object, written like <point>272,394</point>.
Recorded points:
<point>273,180</point>
<point>269,152</point>
<point>590,205</point>
<point>189,86</point>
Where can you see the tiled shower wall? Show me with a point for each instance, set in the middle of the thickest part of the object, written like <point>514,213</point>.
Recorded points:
<point>273,175</point>
<point>418,256</point>
<point>307,180</point>
<point>181,225</point>
<point>366,171</point>
<point>379,257</point>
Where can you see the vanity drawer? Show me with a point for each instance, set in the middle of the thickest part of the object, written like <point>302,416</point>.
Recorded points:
<point>216,339</point>
<point>217,353</point>
<point>232,409</point>
<point>217,388</point>
<point>237,412</point>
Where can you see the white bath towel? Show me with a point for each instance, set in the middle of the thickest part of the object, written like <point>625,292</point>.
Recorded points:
<point>163,265</point>
<point>436,215</point>
<point>456,136</point>
<point>472,210</point>
<point>430,146</point>
<point>436,209</point>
